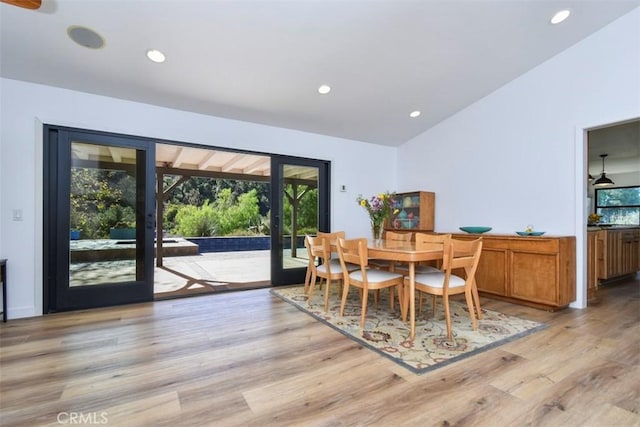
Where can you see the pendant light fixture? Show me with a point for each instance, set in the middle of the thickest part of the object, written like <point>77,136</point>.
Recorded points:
<point>603,180</point>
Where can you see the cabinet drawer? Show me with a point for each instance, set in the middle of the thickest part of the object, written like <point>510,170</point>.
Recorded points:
<point>535,245</point>
<point>502,244</point>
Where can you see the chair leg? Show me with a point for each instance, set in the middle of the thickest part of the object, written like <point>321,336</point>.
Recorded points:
<point>326,296</point>
<point>476,299</point>
<point>392,299</point>
<point>365,296</point>
<point>345,292</point>
<point>447,315</point>
<point>435,302</point>
<point>376,295</point>
<point>471,307</point>
<point>312,285</point>
<point>307,278</point>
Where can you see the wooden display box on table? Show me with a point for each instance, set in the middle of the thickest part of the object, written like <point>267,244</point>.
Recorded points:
<point>415,212</point>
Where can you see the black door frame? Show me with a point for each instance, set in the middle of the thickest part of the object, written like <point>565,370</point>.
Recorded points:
<point>279,275</point>
<point>57,294</point>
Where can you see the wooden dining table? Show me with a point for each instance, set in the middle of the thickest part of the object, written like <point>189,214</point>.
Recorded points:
<point>405,252</point>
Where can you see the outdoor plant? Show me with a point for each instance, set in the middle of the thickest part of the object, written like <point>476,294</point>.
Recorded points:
<point>194,221</point>
<point>594,218</point>
<point>227,215</point>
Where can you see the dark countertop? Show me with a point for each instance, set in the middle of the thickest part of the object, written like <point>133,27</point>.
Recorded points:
<point>611,227</point>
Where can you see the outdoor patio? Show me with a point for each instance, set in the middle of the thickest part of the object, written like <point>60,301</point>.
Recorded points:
<point>212,272</point>
<point>191,274</point>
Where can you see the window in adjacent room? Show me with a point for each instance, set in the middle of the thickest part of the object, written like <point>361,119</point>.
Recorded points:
<point>619,205</point>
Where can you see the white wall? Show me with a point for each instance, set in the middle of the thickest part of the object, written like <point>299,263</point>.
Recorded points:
<point>517,157</point>
<point>24,107</point>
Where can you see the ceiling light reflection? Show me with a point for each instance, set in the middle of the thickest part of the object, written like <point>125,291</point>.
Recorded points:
<point>560,16</point>
<point>156,56</point>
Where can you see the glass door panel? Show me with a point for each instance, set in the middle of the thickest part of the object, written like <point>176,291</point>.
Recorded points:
<point>103,211</point>
<point>300,207</point>
<point>99,219</point>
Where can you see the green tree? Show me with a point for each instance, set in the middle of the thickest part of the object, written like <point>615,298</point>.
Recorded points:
<point>100,200</point>
<point>307,219</point>
<point>227,215</point>
<point>237,215</point>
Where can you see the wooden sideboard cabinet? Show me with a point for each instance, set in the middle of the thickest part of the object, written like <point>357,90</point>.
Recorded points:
<point>533,271</point>
<point>620,254</point>
<point>416,211</point>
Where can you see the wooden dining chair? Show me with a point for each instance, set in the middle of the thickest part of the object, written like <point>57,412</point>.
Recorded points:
<point>354,251</point>
<point>457,254</point>
<point>427,241</point>
<point>333,238</point>
<point>329,269</point>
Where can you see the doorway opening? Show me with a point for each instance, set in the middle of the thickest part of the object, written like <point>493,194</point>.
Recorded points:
<point>243,214</point>
<point>212,209</point>
<point>211,219</point>
<point>611,257</point>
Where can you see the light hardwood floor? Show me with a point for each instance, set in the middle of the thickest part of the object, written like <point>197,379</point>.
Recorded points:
<point>250,359</point>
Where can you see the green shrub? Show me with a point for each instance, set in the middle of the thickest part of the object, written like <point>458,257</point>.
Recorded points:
<point>226,216</point>
<point>193,221</point>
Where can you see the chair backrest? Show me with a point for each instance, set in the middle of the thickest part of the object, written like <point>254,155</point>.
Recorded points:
<point>398,237</point>
<point>433,241</point>
<point>320,249</point>
<point>439,242</point>
<point>463,254</point>
<point>308,243</point>
<point>353,251</point>
<point>332,238</point>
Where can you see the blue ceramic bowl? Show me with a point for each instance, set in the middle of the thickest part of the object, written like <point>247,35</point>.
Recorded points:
<point>475,229</point>
<point>530,233</point>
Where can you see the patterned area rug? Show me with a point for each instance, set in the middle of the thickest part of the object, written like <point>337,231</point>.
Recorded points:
<point>385,332</point>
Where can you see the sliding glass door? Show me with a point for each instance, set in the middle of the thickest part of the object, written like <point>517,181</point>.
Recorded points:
<point>99,219</point>
<point>299,206</point>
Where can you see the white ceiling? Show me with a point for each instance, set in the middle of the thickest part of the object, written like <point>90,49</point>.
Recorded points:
<point>262,61</point>
<point>621,144</point>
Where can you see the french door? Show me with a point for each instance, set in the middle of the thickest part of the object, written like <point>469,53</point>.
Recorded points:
<point>299,191</point>
<point>99,219</point>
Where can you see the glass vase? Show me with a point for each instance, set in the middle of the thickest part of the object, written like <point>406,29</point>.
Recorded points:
<point>376,231</point>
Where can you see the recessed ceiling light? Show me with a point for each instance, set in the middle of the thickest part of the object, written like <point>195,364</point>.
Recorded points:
<point>155,55</point>
<point>324,89</point>
<point>85,37</point>
<point>414,114</point>
<point>560,16</point>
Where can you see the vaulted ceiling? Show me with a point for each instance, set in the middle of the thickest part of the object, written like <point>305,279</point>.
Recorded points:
<point>263,61</point>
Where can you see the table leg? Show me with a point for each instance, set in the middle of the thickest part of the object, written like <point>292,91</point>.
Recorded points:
<point>412,299</point>
<point>404,310</point>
